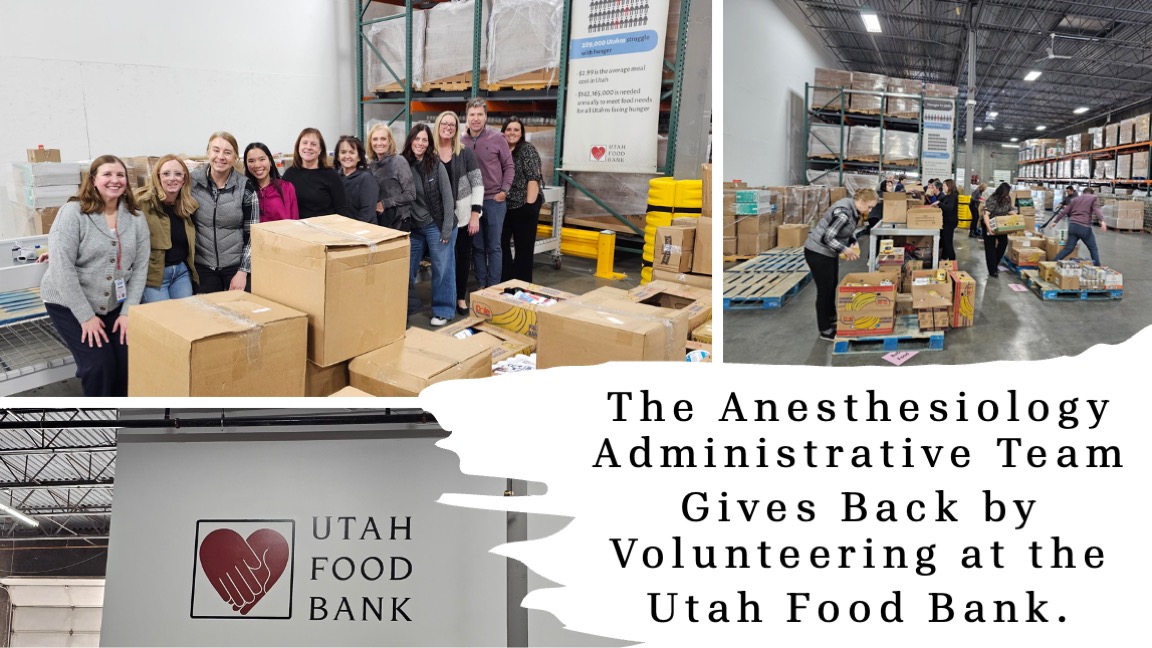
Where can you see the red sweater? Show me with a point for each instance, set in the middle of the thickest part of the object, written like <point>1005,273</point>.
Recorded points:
<point>274,206</point>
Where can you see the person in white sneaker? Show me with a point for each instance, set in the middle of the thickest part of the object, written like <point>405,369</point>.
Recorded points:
<point>433,225</point>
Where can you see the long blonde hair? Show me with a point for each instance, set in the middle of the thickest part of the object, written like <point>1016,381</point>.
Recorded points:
<point>457,146</point>
<point>154,193</point>
<point>391,141</point>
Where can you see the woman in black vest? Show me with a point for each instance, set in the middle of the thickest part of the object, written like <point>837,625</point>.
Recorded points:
<point>433,225</point>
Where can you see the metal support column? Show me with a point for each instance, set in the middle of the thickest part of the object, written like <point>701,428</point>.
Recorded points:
<point>517,583</point>
<point>361,41</point>
<point>970,107</point>
<point>477,39</point>
<point>562,92</point>
<point>677,87</point>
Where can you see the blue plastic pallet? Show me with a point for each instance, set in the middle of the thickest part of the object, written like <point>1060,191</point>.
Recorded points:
<point>1049,292</point>
<point>906,336</point>
<point>1015,269</point>
<point>762,290</point>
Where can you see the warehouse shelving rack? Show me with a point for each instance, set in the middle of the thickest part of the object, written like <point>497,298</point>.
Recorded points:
<point>836,113</point>
<point>671,93</point>
<point>1094,156</point>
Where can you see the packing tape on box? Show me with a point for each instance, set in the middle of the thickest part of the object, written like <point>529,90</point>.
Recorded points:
<point>250,336</point>
<point>342,235</point>
<point>612,316</point>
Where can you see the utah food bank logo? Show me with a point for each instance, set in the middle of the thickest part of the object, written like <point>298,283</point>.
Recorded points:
<point>239,569</point>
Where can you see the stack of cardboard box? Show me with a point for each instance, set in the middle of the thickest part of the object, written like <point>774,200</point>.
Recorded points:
<point>866,304</point>
<point>752,216</point>
<point>1026,249</point>
<point>683,252</point>
<point>1123,214</point>
<point>40,187</point>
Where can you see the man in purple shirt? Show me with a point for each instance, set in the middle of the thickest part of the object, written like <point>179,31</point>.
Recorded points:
<point>1080,211</point>
<point>497,169</point>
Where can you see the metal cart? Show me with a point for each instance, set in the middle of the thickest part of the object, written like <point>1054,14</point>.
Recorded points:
<point>31,352</point>
<point>882,231</point>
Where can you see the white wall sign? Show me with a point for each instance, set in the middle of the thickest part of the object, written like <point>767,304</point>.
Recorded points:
<point>295,542</point>
<point>615,66</point>
<point>939,122</point>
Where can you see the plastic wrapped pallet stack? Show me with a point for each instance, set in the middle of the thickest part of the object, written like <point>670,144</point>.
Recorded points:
<point>524,38</point>
<point>41,188</point>
<point>388,39</point>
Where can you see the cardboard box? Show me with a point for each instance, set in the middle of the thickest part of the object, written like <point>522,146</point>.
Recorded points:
<point>904,304</point>
<point>350,277</point>
<point>694,301</point>
<point>688,279</point>
<point>349,392</point>
<point>600,326</point>
<point>706,190</point>
<point>42,154</point>
<point>925,218</point>
<point>933,319</point>
<point>702,248</point>
<point>674,248</point>
<point>729,246</point>
<point>503,343</point>
<point>419,359</point>
<point>895,207</point>
<point>756,234</point>
<point>1052,247</point>
<point>325,381</point>
<point>933,294</point>
<point>792,235</point>
<point>866,304</point>
<point>499,305</point>
<point>837,193</point>
<point>1047,270</point>
<point>1025,257</point>
<point>963,299</point>
<point>219,344</point>
<point>703,333</point>
<point>1007,223</point>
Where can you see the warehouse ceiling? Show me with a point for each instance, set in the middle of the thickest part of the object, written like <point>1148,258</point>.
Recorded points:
<point>1099,58</point>
<point>60,477</point>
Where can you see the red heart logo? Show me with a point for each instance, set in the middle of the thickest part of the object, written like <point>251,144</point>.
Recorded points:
<point>598,152</point>
<point>242,571</point>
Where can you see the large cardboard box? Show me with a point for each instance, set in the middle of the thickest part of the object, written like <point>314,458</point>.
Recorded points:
<point>931,294</point>
<point>694,301</point>
<point>503,343</point>
<point>500,305</point>
<point>674,245</point>
<point>419,359</point>
<point>757,233</point>
<point>1026,256</point>
<point>325,381</point>
<point>866,304</point>
<point>925,218</point>
<point>220,344</point>
<point>350,277</point>
<point>702,249</point>
<point>792,235</point>
<point>686,278</point>
<point>604,326</point>
<point>895,207</point>
<point>963,299</point>
<point>350,392</point>
<point>729,246</point>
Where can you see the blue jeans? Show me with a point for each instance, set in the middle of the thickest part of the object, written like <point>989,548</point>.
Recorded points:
<point>443,257</point>
<point>177,284</point>
<point>1077,233</point>
<point>486,244</point>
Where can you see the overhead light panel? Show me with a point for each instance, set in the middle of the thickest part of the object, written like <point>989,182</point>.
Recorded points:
<point>871,20</point>
<point>992,115</point>
<point>19,516</point>
<point>1041,127</point>
<point>979,128</point>
<point>989,127</point>
<point>1015,139</point>
<point>1011,146</point>
<point>1080,111</point>
<point>1032,76</point>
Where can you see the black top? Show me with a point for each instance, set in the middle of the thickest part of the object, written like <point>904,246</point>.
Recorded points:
<point>319,192</point>
<point>950,205</point>
<point>178,253</point>
<point>527,163</point>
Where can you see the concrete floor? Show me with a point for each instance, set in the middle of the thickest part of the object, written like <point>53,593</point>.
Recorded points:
<point>1009,325</point>
<point>575,275</point>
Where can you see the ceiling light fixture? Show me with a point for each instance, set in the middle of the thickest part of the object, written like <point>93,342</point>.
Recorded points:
<point>979,128</point>
<point>989,127</point>
<point>1015,139</point>
<point>1032,76</point>
<point>1041,127</point>
<point>992,115</point>
<point>19,516</point>
<point>1080,111</point>
<point>1011,146</point>
<point>871,20</point>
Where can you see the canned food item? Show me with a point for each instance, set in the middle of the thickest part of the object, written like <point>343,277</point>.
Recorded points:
<point>466,333</point>
<point>699,355</point>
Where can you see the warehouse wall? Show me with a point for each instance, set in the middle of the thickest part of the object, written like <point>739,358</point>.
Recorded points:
<point>988,158</point>
<point>139,77</point>
<point>769,54</point>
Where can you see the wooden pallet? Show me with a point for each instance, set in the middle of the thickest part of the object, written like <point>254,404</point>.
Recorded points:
<point>769,262</point>
<point>1018,269</point>
<point>874,159</point>
<point>828,156</point>
<point>906,336</point>
<point>1049,291</point>
<point>901,162</point>
<point>762,290</point>
<point>534,80</point>
<point>462,81</point>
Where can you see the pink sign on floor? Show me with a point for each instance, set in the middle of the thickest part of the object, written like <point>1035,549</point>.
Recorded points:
<point>899,357</point>
<point>1018,287</point>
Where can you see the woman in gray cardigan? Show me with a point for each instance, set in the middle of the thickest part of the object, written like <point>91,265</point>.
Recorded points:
<point>468,185</point>
<point>100,247</point>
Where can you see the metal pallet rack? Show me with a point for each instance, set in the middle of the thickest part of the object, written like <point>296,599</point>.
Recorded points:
<point>672,92</point>
<point>31,352</point>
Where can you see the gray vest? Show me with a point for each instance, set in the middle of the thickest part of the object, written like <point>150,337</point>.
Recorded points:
<point>219,220</point>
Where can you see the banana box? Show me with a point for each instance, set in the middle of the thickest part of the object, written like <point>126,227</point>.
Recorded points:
<point>514,304</point>
<point>1006,224</point>
<point>1026,257</point>
<point>866,303</point>
<point>928,292</point>
<point>963,299</point>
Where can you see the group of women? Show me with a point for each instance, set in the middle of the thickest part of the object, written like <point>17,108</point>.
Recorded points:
<point>189,232</point>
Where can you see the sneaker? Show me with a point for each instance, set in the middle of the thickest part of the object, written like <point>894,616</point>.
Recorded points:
<point>993,274</point>
<point>828,335</point>
<point>439,321</point>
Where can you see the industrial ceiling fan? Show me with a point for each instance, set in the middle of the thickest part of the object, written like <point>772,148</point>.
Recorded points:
<point>1051,53</point>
